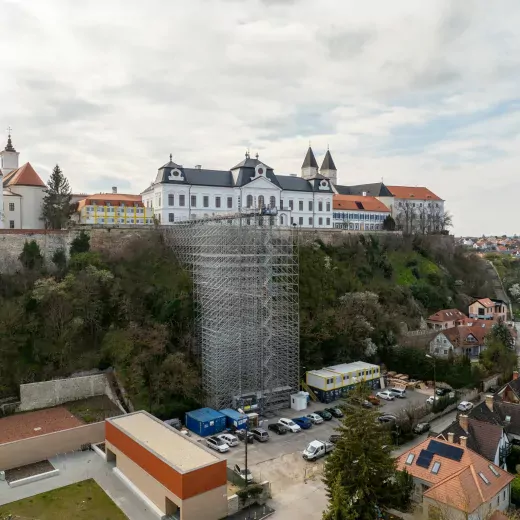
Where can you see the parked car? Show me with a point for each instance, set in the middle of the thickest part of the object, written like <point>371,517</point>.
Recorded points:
<point>386,395</point>
<point>398,392</point>
<point>289,424</point>
<point>217,444</point>
<point>241,434</point>
<point>421,428</point>
<point>432,398</point>
<point>465,406</point>
<point>243,473</point>
<point>335,412</point>
<point>491,390</point>
<point>229,439</point>
<point>260,434</point>
<point>314,418</point>
<point>387,418</point>
<point>441,392</point>
<point>367,404</point>
<point>278,428</point>
<point>303,422</point>
<point>335,437</point>
<point>374,400</point>
<point>326,416</point>
<point>317,449</point>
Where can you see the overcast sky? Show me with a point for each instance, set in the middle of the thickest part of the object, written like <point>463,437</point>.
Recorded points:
<point>415,92</point>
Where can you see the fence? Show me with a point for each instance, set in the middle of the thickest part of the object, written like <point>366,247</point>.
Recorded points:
<point>35,449</point>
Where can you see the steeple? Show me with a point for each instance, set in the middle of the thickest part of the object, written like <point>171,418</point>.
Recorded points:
<point>8,156</point>
<point>328,168</point>
<point>309,166</point>
<point>9,147</point>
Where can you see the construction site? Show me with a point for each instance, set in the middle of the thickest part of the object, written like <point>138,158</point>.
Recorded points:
<point>245,285</point>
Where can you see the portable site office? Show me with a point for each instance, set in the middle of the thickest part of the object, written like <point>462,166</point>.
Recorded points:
<point>335,382</point>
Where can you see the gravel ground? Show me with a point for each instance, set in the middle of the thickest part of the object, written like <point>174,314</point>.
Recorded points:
<point>28,471</point>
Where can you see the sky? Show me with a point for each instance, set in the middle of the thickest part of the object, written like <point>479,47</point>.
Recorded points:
<point>418,93</point>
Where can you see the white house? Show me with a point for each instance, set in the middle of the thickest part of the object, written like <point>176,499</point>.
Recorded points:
<point>22,192</point>
<point>180,194</point>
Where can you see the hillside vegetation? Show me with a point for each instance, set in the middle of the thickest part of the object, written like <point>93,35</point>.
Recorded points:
<point>132,308</point>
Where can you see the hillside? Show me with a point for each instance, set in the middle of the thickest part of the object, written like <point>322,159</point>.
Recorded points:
<point>131,307</point>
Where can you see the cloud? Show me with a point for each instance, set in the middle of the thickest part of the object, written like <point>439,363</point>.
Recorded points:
<point>412,92</point>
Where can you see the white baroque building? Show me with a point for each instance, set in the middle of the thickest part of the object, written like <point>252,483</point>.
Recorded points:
<point>180,194</point>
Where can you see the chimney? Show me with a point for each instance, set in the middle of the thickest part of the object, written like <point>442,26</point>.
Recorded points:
<point>114,189</point>
<point>515,375</point>
<point>463,441</point>
<point>198,166</point>
<point>489,402</point>
<point>463,422</point>
<point>450,437</point>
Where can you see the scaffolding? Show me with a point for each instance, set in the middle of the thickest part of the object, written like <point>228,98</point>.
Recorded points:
<point>245,282</point>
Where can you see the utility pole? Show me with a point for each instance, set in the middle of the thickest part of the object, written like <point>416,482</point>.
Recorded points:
<point>434,378</point>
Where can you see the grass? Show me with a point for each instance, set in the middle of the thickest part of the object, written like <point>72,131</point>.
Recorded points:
<point>93,409</point>
<point>81,501</point>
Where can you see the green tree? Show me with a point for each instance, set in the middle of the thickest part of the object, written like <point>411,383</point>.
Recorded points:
<point>361,465</point>
<point>31,256</point>
<point>340,504</point>
<point>56,206</point>
<point>500,332</point>
<point>389,223</point>
<point>59,259</point>
<point>80,244</point>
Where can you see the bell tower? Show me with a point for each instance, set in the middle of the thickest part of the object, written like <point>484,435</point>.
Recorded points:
<point>309,166</point>
<point>9,156</point>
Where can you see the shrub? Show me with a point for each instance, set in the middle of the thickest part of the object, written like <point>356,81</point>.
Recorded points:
<point>515,491</point>
<point>31,256</point>
<point>81,244</point>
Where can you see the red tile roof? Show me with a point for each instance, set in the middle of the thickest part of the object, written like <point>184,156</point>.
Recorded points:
<point>358,203</point>
<point>412,192</point>
<point>31,424</point>
<point>447,315</point>
<point>23,176</point>
<point>114,198</point>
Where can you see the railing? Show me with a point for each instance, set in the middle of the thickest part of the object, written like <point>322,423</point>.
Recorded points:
<point>308,389</point>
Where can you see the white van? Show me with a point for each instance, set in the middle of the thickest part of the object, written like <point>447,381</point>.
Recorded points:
<point>398,392</point>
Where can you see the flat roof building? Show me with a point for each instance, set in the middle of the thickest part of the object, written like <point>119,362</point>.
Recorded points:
<point>175,474</point>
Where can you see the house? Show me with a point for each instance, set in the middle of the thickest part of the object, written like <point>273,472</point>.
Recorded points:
<point>21,194</point>
<point>358,212</point>
<point>486,439</point>
<point>446,319</point>
<point>487,309</point>
<point>114,208</point>
<point>453,481</point>
<point>463,340</point>
<point>179,193</point>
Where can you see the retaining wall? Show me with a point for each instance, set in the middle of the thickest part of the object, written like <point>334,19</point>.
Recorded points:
<point>27,451</point>
<point>235,504</point>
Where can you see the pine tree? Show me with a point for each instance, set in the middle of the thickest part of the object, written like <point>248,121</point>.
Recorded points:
<point>340,507</point>
<point>56,207</point>
<point>360,464</point>
<point>389,223</point>
<point>31,255</point>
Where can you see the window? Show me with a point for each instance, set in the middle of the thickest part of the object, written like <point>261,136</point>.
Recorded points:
<point>171,217</point>
<point>494,471</point>
<point>205,201</point>
<point>320,206</point>
<point>320,221</point>
<point>310,221</point>
<point>483,477</point>
<point>328,221</point>
<point>300,221</point>
<point>436,468</point>
<point>170,200</point>
<point>11,224</point>
<point>300,205</point>
<point>292,221</point>
<point>230,202</point>
<point>410,458</point>
<point>281,204</point>
<point>291,206</point>
<point>310,205</point>
<point>282,220</point>
<point>11,206</point>
<point>182,201</point>
<point>330,381</point>
<point>328,206</point>
<point>272,202</point>
<point>249,203</point>
<point>194,201</point>
<point>261,203</point>
<point>217,202</point>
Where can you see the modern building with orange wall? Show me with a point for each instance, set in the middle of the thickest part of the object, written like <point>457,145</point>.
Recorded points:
<point>174,474</point>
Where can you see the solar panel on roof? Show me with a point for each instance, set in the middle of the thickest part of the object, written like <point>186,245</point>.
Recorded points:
<point>425,457</point>
<point>445,450</point>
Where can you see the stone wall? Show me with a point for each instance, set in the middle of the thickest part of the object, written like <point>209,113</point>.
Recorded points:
<point>34,396</point>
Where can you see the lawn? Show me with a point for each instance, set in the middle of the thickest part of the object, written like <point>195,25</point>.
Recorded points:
<point>82,501</point>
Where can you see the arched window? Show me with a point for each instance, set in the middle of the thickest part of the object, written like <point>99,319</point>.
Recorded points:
<point>249,201</point>
<point>272,202</point>
<point>282,220</point>
<point>261,201</point>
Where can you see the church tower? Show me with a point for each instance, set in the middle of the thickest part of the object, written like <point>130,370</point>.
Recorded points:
<point>9,157</point>
<point>2,216</point>
<point>309,166</point>
<point>328,168</point>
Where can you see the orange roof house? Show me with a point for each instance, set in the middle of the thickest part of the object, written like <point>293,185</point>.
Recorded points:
<point>358,203</point>
<point>111,199</point>
<point>454,479</point>
<point>412,192</point>
<point>446,318</point>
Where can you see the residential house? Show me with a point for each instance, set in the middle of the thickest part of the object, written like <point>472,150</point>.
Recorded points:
<point>463,340</point>
<point>487,309</point>
<point>358,212</point>
<point>453,481</point>
<point>446,319</point>
<point>486,439</point>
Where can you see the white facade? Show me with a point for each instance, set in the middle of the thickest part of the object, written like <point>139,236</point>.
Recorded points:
<point>359,220</point>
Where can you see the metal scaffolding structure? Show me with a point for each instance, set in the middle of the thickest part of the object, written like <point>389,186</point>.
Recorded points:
<point>245,280</point>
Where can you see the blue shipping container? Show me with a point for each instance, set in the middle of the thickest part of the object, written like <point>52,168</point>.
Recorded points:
<point>234,418</point>
<point>205,421</point>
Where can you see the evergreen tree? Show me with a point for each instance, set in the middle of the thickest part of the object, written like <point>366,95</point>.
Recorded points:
<point>500,332</point>
<point>80,244</point>
<point>360,465</point>
<point>56,207</point>
<point>31,256</point>
<point>389,223</point>
<point>340,507</point>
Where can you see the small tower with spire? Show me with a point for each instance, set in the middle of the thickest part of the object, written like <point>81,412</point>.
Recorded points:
<point>328,168</point>
<point>309,166</point>
<point>8,156</point>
